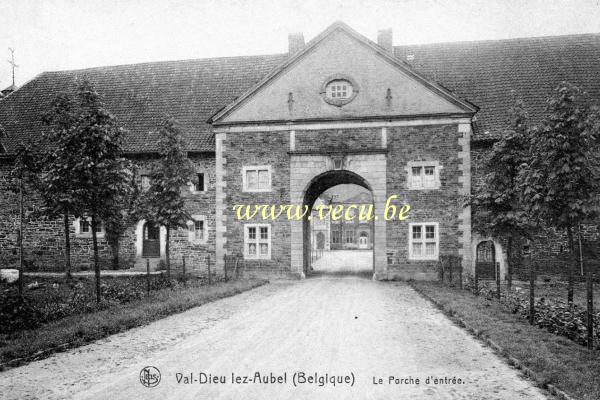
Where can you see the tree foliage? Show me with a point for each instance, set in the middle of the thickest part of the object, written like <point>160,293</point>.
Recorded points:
<point>560,178</point>
<point>497,209</point>
<point>84,173</point>
<point>164,203</point>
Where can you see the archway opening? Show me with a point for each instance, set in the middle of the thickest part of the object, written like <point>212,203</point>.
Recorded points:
<point>338,243</point>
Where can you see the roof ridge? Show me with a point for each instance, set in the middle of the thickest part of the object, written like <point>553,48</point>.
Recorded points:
<point>521,38</point>
<point>108,67</point>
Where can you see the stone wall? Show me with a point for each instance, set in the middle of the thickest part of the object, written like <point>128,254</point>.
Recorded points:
<point>444,205</point>
<point>248,149</point>
<point>44,237</point>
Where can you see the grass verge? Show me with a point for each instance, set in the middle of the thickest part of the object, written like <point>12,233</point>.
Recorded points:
<point>77,330</point>
<point>554,360</point>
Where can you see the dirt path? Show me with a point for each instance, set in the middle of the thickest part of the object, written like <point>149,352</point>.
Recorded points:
<point>337,326</point>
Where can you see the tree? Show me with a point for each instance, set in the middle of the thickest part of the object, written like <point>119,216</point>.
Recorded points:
<point>22,176</point>
<point>101,174</point>
<point>560,177</point>
<point>164,203</point>
<point>497,211</point>
<point>120,214</point>
<point>59,154</point>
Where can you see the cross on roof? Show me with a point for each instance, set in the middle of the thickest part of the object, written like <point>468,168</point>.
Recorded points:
<point>12,63</point>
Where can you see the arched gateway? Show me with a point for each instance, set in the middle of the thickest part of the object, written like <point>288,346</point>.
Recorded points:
<point>312,174</point>
<point>344,110</point>
<point>316,187</point>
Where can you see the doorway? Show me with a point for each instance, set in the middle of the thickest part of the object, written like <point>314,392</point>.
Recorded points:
<point>151,240</point>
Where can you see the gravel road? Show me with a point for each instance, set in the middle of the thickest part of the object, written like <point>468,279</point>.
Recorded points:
<point>337,326</point>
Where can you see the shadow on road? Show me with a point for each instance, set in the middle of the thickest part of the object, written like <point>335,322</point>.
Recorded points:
<point>344,263</point>
<point>363,274</point>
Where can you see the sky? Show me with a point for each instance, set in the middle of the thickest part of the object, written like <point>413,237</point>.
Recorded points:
<point>49,35</point>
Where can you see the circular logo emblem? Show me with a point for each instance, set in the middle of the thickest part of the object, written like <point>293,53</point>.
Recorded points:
<point>150,376</point>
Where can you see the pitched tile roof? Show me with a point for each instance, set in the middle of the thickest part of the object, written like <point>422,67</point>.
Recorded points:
<point>487,72</point>
<point>141,95</point>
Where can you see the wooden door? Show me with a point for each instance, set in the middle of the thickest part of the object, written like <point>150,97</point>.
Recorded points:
<point>151,245</point>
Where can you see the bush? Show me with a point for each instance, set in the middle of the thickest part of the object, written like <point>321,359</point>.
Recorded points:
<point>17,313</point>
<point>57,298</point>
<point>553,315</point>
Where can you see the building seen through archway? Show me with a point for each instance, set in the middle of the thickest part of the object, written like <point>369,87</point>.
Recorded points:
<point>343,245</point>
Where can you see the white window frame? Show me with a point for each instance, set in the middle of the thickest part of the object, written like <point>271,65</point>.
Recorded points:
<point>247,168</point>
<point>257,241</point>
<point>194,187</point>
<point>411,184</point>
<point>80,234</point>
<point>423,240</point>
<point>192,229</point>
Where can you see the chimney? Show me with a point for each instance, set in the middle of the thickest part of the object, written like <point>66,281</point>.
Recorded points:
<point>295,42</point>
<point>384,39</point>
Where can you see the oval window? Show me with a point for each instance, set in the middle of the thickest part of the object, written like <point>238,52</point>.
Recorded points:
<point>339,89</point>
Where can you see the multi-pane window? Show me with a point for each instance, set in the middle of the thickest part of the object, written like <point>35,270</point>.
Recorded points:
<point>423,175</point>
<point>423,241</point>
<point>197,229</point>
<point>339,89</point>
<point>257,241</point>
<point>257,179</point>
<point>349,237</point>
<point>146,182</point>
<point>84,227</point>
<point>336,237</point>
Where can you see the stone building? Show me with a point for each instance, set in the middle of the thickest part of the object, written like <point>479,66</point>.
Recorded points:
<point>409,121</point>
<point>352,233</point>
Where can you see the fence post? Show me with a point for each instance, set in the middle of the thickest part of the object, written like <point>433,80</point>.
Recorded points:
<point>148,276</point>
<point>441,270</point>
<point>208,267</point>
<point>531,292</point>
<point>476,282</point>
<point>183,270</point>
<point>450,275</point>
<point>237,271</point>
<point>498,280</point>
<point>227,261</point>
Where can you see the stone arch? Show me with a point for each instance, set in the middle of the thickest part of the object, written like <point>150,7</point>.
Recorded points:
<point>499,253</point>
<point>139,239</point>
<point>311,174</point>
<point>315,187</point>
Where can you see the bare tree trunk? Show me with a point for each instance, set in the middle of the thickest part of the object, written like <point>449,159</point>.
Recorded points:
<point>114,248</point>
<point>96,262</point>
<point>497,269</point>
<point>531,292</point>
<point>67,245</point>
<point>21,260</point>
<point>590,306</point>
<point>167,253</point>
<point>509,265</point>
<point>570,267</point>
<point>582,271</point>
